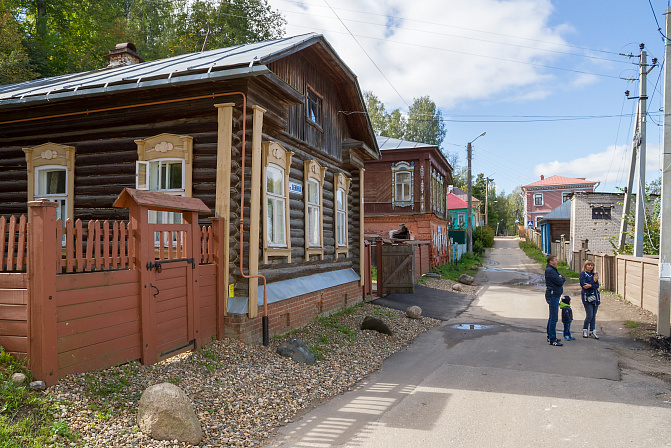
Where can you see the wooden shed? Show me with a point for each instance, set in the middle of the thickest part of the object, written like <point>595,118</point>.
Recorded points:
<point>272,137</point>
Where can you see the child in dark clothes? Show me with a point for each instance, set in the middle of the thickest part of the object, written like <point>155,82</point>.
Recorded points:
<point>566,317</point>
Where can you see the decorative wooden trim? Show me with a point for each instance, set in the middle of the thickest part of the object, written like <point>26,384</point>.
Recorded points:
<point>255,210</point>
<point>222,206</point>
<point>313,170</point>
<point>276,154</point>
<point>340,181</point>
<point>400,167</point>
<point>52,154</point>
<point>169,146</point>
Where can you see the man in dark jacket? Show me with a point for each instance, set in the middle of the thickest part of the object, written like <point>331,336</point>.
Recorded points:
<point>554,287</point>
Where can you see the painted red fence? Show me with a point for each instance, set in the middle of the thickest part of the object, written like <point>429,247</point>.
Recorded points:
<point>13,243</point>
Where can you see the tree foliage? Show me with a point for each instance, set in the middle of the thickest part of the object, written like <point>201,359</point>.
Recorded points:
<point>424,123</point>
<point>66,36</point>
<point>652,223</point>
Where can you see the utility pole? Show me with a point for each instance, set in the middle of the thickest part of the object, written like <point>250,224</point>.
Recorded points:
<point>639,231</point>
<point>486,200</point>
<point>469,212</point>
<point>664,301</point>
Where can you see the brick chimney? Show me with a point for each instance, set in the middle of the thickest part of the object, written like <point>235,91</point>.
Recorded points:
<point>542,177</point>
<point>122,55</point>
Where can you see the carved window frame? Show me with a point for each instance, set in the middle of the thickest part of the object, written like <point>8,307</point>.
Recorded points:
<point>47,157</point>
<point>403,168</point>
<point>341,183</point>
<point>314,107</point>
<point>313,171</point>
<point>275,154</point>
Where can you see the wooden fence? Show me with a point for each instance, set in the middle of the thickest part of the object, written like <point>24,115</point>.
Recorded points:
<point>106,293</point>
<point>638,281</point>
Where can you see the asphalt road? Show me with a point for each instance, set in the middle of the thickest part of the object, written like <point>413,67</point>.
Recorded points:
<point>488,378</point>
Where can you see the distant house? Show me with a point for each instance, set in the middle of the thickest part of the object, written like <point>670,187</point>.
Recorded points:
<point>407,187</point>
<point>475,203</point>
<point>457,208</point>
<point>547,194</point>
<point>554,225</point>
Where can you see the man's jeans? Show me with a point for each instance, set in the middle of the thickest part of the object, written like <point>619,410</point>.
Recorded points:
<point>553,304</point>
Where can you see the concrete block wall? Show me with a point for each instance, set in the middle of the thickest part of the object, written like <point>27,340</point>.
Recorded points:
<point>595,230</point>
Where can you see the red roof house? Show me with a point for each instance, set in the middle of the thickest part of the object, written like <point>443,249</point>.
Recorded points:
<point>545,195</point>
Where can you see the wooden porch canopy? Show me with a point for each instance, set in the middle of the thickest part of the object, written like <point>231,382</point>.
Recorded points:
<point>159,201</point>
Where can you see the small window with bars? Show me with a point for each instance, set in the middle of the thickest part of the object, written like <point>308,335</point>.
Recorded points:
<point>600,212</point>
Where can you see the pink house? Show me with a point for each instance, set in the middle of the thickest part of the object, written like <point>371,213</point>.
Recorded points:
<point>541,197</point>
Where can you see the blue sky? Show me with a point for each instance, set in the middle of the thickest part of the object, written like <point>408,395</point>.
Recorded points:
<point>524,71</point>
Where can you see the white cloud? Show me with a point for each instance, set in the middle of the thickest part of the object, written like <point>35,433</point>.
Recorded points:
<point>610,167</point>
<point>454,51</point>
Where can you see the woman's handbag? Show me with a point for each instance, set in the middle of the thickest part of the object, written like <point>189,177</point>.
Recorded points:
<point>591,298</point>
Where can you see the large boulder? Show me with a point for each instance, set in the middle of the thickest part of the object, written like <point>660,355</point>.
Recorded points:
<point>373,323</point>
<point>466,279</point>
<point>166,413</point>
<point>413,312</point>
<point>295,349</point>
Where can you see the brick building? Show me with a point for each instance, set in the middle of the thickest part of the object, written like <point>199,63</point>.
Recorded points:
<point>543,196</point>
<point>595,217</point>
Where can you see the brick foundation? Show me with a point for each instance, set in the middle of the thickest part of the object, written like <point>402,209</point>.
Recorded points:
<point>296,312</point>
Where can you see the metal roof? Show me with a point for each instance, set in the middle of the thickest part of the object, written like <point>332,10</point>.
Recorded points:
<point>239,60</point>
<point>388,143</point>
<point>561,213</point>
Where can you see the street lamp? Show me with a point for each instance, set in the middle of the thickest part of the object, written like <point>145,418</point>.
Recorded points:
<point>469,212</point>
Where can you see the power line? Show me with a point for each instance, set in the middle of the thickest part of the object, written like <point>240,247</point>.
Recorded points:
<point>387,16</point>
<point>371,59</point>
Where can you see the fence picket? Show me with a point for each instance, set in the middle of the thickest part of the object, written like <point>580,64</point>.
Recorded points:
<point>97,235</point>
<point>115,244</point>
<point>89,248</point>
<point>10,243</point>
<point>69,246</point>
<point>106,245</point>
<point>22,243</point>
<point>59,243</point>
<point>122,246</point>
<point>79,232</point>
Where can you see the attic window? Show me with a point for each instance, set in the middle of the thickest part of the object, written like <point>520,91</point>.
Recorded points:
<point>600,212</point>
<point>313,107</point>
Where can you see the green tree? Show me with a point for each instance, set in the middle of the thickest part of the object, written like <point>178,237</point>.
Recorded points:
<point>376,112</point>
<point>66,36</point>
<point>425,122</point>
<point>397,125</point>
<point>14,61</point>
<point>652,223</point>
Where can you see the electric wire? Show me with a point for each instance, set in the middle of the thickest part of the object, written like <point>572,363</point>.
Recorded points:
<point>387,16</point>
<point>659,28</point>
<point>369,57</point>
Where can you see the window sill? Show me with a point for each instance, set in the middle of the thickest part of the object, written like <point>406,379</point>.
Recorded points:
<point>276,252</point>
<point>314,251</point>
<point>314,125</point>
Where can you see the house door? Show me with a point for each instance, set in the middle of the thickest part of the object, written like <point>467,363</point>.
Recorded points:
<point>398,266</point>
<point>172,286</point>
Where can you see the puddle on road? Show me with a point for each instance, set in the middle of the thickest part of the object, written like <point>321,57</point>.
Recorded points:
<point>473,326</point>
<point>533,279</point>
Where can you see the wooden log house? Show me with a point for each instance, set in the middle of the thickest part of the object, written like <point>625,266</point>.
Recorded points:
<point>273,132</point>
<point>406,189</point>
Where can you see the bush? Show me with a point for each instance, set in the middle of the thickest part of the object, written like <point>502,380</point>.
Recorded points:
<point>483,237</point>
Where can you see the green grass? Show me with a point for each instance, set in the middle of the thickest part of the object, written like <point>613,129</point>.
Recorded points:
<point>537,255</point>
<point>27,420</point>
<point>632,324</point>
<point>374,273</point>
<point>452,271</point>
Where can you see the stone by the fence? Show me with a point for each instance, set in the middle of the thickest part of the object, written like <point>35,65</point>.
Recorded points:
<point>475,267</point>
<point>295,349</point>
<point>373,323</point>
<point>457,287</point>
<point>166,413</point>
<point>37,385</point>
<point>466,279</point>
<point>18,379</point>
<point>413,312</point>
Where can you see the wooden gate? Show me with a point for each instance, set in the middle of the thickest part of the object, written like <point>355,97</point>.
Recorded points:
<point>397,266</point>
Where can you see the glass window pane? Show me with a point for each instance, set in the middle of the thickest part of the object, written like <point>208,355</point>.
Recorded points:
<point>280,233</point>
<point>154,176</point>
<point>341,199</point>
<point>275,180</point>
<point>313,226</point>
<point>270,221</point>
<point>142,175</point>
<point>51,182</point>
<point>175,176</point>
<point>313,192</point>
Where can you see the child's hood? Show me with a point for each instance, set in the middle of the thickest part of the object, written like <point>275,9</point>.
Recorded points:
<point>564,305</point>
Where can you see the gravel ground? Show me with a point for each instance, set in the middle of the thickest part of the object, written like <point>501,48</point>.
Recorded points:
<point>240,392</point>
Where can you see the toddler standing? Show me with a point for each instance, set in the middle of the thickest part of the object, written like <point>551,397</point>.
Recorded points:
<point>566,317</point>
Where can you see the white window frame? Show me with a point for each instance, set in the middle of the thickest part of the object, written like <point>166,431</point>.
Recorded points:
<point>276,238</point>
<point>275,156</point>
<point>314,174</point>
<point>60,198</point>
<point>407,197</point>
<point>341,222</point>
<point>537,196</point>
